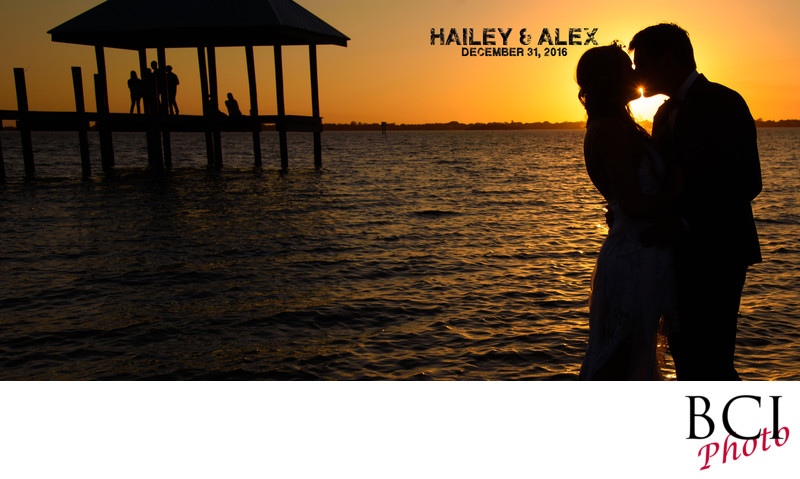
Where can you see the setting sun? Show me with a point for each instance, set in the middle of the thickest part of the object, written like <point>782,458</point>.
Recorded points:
<point>645,108</point>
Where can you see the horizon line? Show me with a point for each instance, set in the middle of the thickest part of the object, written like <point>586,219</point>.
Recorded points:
<point>493,125</point>
<point>760,123</point>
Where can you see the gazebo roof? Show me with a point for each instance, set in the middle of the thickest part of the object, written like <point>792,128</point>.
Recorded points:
<point>137,24</point>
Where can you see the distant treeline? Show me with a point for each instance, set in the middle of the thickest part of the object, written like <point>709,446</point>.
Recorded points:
<point>543,125</point>
<point>777,124</point>
<point>454,125</point>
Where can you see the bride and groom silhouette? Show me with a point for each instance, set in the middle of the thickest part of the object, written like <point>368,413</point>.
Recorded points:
<point>682,233</point>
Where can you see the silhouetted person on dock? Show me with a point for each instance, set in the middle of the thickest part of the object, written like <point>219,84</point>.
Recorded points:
<point>135,86</point>
<point>172,90</point>
<point>149,92</point>
<point>233,107</point>
<point>160,87</point>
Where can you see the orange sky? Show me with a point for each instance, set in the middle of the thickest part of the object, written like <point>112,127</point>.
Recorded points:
<point>390,72</point>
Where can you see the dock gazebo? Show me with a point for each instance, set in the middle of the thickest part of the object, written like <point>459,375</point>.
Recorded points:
<point>205,25</point>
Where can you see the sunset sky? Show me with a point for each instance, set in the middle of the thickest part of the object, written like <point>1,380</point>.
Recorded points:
<point>390,72</point>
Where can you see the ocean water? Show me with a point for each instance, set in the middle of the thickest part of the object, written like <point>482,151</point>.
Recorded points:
<point>412,255</point>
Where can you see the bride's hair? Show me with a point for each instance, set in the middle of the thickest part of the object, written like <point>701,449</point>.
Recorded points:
<point>601,77</point>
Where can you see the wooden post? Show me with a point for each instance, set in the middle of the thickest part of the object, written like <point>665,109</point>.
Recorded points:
<point>24,130</point>
<point>154,158</point>
<point>162,62</point>
<point>281,123</point>
<point>312,59</point>
<point>251,76</point>
<point>101,95</point>
<point>83,136</point>
<point>142,70</point>
<point>201,61</point>
<point>214,106</point>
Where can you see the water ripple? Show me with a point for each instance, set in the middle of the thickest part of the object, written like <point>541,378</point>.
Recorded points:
<point>421,255</point>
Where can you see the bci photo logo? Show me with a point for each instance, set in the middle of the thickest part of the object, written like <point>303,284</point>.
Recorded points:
<point>736,416</point>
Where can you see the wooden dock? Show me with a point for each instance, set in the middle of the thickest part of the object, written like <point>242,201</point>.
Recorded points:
<point>157,127</point>
<point>200,24</point>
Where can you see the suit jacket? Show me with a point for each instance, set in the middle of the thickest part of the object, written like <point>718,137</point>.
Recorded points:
<point>714,141</point>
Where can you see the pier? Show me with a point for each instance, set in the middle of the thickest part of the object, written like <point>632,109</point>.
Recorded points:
<point>140,25</point>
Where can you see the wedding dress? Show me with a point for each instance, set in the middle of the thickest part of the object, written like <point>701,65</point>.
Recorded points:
<point>633,289</point>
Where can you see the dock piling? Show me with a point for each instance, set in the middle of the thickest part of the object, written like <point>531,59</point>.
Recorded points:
<point>101,96</point>
<point>280,124</point>
<point>201,61</point>
<point>22,124</point>
<point>164,105</point>
<point>312,60</point>
<point>214,106</point>
<point>154,159</point>
<point>83,124</point>
<point>251,76</point>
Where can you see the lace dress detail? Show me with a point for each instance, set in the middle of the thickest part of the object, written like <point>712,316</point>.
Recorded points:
<point>632,290</point>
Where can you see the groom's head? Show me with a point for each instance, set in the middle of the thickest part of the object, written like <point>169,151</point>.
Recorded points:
<point>663,58</point>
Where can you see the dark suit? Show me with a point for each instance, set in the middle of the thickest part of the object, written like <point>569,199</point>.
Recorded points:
<point>714,141</point>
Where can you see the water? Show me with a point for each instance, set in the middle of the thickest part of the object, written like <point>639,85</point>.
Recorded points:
<point>414,255</point>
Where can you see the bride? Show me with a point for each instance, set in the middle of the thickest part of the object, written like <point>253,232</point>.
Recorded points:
<point>633,284</point>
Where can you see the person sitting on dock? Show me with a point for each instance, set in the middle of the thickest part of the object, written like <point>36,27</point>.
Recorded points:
<point>233,107</point>
<point>135,86</point>
<point>172,90</point>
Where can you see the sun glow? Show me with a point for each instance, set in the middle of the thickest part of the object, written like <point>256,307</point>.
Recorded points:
<point>385,73</point>
<point>644,108</point>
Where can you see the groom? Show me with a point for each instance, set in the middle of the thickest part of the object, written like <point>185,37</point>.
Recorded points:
<point>708,130</point>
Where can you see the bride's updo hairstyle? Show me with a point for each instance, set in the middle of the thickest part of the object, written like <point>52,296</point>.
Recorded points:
<point>603,75</point>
